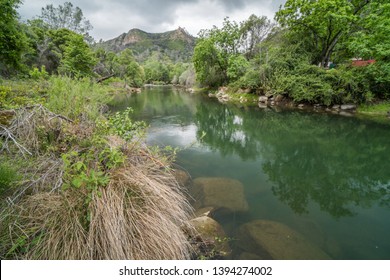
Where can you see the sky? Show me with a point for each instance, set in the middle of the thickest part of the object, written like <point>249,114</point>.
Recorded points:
<point>110,18</point>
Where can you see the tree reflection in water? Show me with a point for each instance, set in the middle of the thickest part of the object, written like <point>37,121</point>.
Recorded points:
<point>337,162</point>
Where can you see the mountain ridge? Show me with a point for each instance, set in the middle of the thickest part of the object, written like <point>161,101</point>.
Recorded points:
<point>177,44</point>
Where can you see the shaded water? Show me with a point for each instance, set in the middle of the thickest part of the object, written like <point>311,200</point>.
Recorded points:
<point>325,176</point>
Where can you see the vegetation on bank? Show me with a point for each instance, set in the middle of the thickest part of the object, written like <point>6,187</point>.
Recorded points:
<point>306,55</point>
<point>75,181</point>
<point>79,184</point>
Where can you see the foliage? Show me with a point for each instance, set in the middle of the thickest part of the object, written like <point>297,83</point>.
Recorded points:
<point>76,99</point>
<point>237,67</point>
<point>324,22</point>
<point>12,40</point>
<point>127,68</point>
<point>221,54</point>
<point>78,59</point>
<point>18,94</point>
<point>123,126</point>
<point>156,71</point>
<point>39,74</point>
<point>253,32</point>
<point>8,177</point>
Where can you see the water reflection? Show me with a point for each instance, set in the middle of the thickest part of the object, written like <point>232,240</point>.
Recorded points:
<point>337,162</point>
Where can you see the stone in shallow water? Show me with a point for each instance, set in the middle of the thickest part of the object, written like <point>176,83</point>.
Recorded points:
<point>219,193</point>
<point>212,235</point>
<point>273,240</point>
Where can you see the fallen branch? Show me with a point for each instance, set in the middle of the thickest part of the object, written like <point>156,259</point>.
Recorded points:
<point>104,78</point>
<point>9,136</point>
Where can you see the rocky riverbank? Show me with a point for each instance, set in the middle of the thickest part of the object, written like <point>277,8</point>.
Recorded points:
<point>279,101</point>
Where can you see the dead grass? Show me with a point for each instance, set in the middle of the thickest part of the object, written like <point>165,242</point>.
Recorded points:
<point>140,214</point>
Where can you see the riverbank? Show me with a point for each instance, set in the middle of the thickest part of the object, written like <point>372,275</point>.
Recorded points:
<point>78,183</point>
<point>380,108</point>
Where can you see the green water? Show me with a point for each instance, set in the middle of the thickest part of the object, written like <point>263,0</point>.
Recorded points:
<point>325,176</point>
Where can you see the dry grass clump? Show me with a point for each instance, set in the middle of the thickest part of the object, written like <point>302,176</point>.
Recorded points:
<point>138,215</point>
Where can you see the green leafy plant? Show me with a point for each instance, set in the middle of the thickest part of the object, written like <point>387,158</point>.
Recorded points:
<point>122,125</point>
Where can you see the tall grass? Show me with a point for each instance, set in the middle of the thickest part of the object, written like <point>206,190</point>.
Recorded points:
<point>76,98</point>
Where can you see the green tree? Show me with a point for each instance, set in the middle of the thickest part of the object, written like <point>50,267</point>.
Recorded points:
<point>325,22</point>
<point>213,50</point>
<point>254,31</point>
<point>128,68</point>
<point>12,39</point>
<point>78,59</point>
<point>157,70</point>
<point>371,41</point>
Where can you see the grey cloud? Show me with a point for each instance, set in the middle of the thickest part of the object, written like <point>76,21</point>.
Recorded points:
<point>121,15</point>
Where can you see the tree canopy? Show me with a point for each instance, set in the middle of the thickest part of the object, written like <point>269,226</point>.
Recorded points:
<point>12,39</point>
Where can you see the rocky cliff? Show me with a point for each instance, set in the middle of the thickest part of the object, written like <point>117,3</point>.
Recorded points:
<point>177,44</point>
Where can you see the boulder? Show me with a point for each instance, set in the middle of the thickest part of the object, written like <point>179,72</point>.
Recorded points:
<point>279,98</point>
<point>212,241</point>
<point>348,107</point>
<point>336,107</point>
<point>263,99</point>
<point>273,240</point>
<point>262,105</point>
<point>219,193</point>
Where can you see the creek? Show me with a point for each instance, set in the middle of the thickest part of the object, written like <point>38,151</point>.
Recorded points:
<point>322,175</point>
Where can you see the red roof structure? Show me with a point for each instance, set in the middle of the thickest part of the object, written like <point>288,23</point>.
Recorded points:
<point>361,63</point>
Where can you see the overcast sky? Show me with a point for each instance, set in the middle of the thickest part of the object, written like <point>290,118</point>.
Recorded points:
<point>110,18</point>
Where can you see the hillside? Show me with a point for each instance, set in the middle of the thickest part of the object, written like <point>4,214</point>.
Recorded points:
<point>177,44</point>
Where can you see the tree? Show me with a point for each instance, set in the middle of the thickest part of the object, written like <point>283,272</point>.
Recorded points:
<point>372,40</point>
<point>325,22</point>
<point>127,67</point>
<point>78,59</point>
<point>254,31</point>
<point>213,50</point>
<point>66,16</point>
<point>12,39</point>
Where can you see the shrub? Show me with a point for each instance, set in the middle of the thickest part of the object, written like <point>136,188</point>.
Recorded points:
<point>76,98</point>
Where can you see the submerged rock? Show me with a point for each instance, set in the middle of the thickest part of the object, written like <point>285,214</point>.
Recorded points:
<point>211,239</point>
<point>273,240</point>
<point>219,193</point>
<point>182,177</point>
<point>263,99</point>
